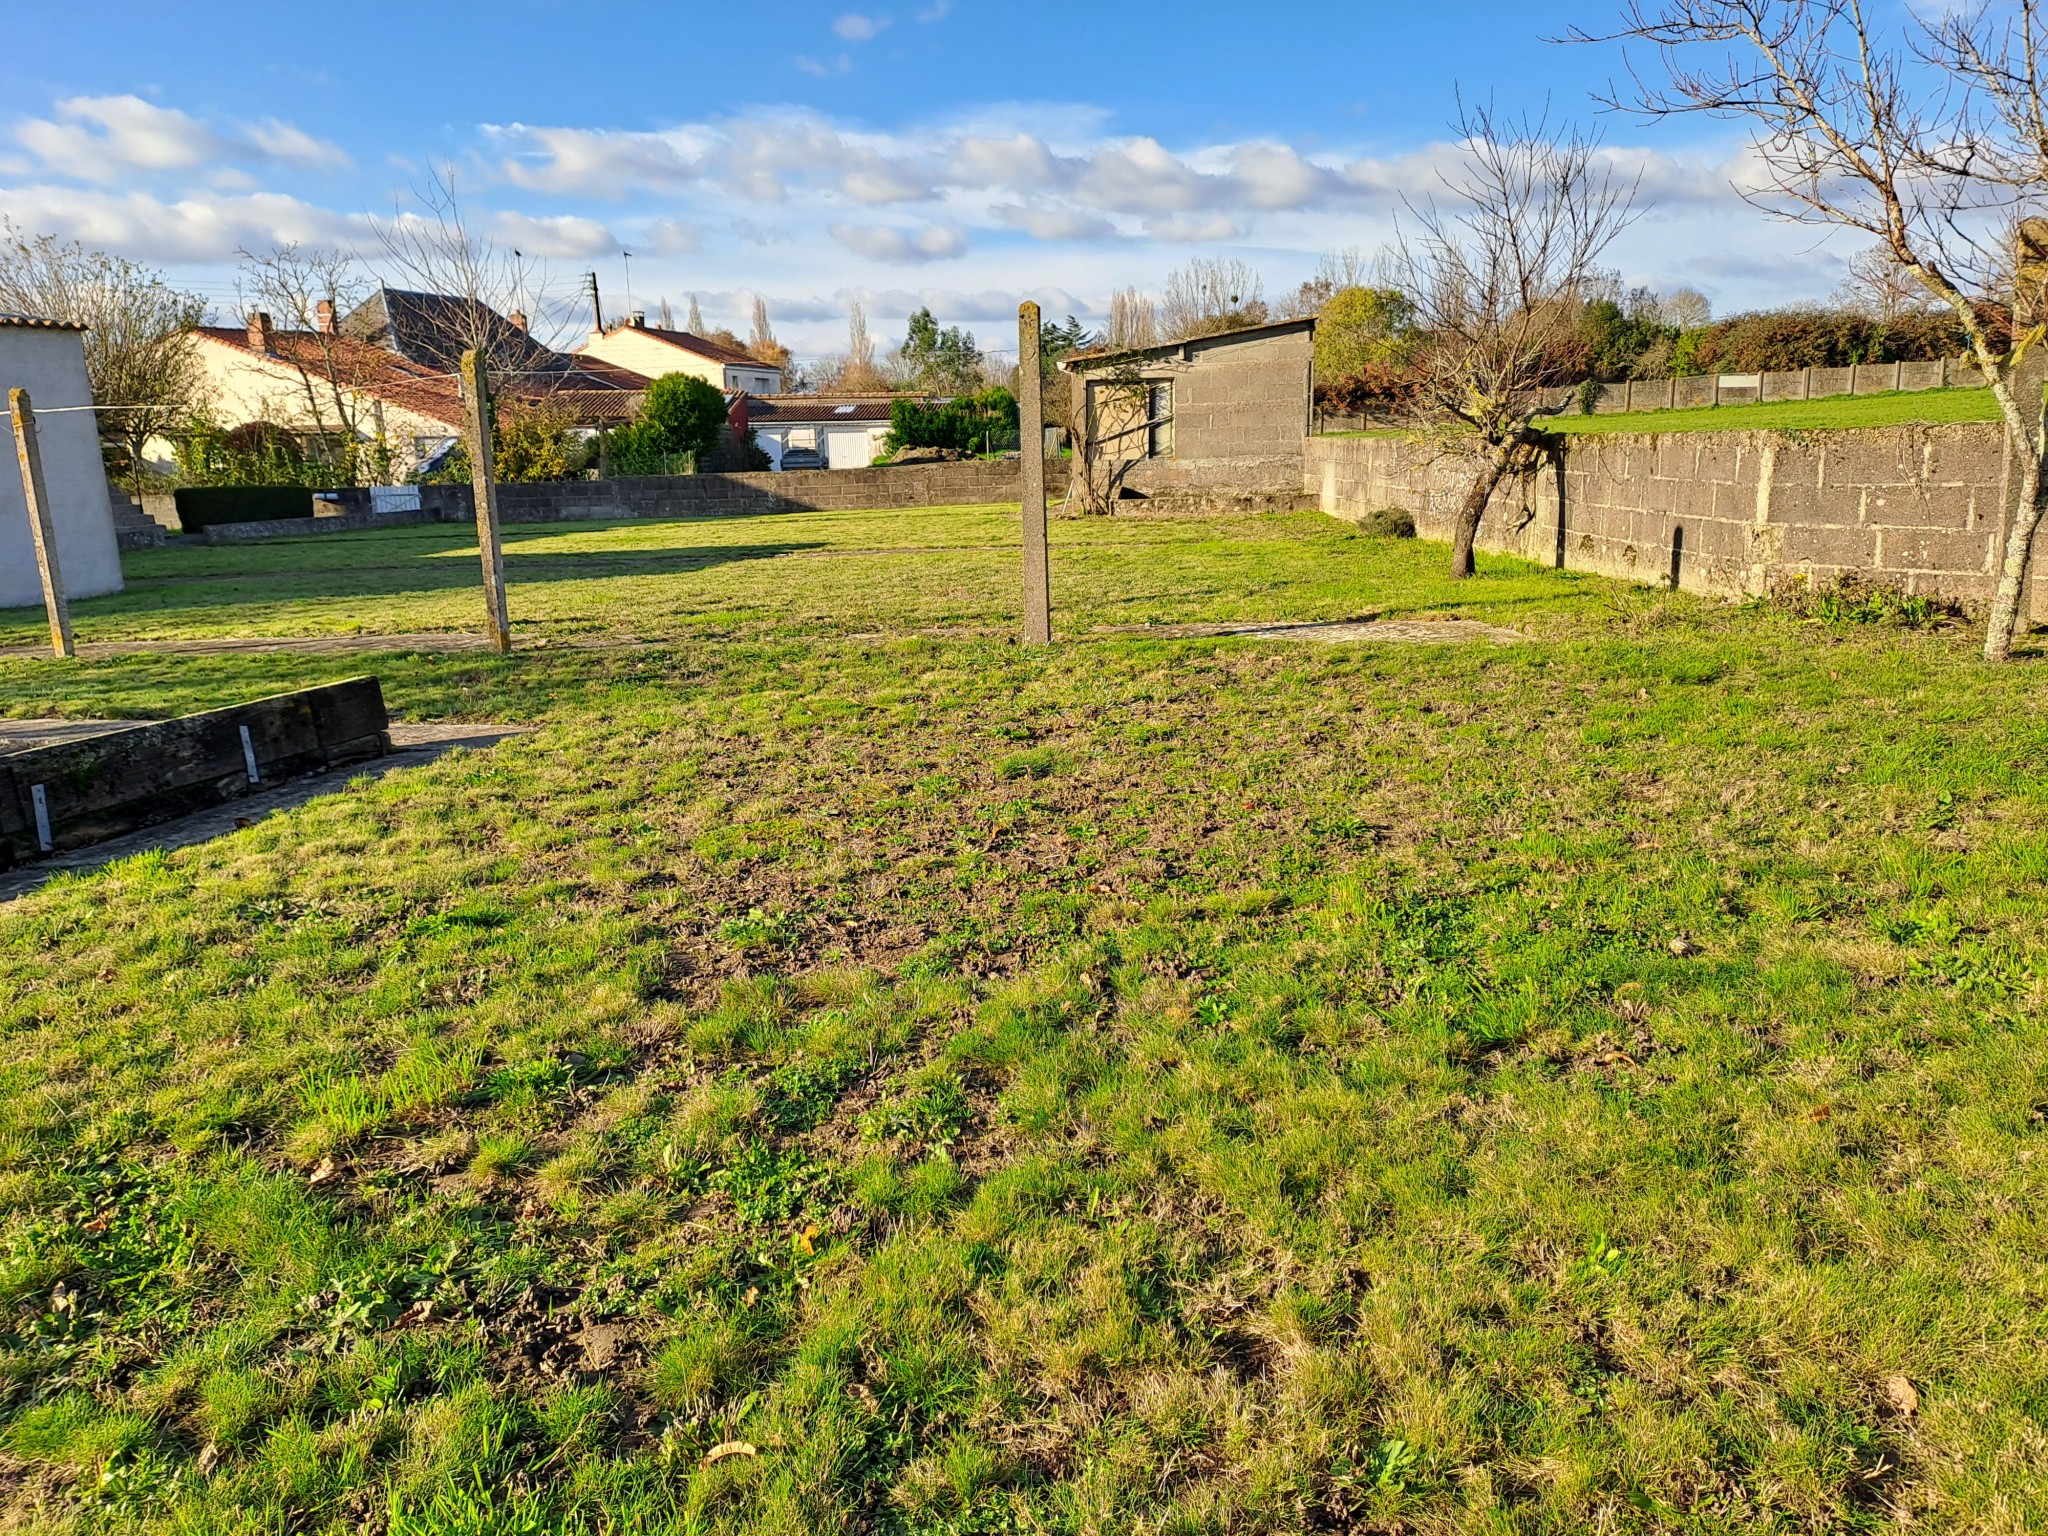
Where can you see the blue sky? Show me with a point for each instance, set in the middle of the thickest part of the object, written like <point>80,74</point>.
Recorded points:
<point>948,152</point>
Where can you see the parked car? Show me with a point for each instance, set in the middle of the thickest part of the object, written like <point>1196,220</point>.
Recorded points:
<point>802,458</point>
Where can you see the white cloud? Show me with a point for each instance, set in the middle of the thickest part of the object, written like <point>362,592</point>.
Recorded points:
<point>856,28</point>
<point>198,227</point>
<point>559,236</point>
<point>880,242</point>
<point>1055,222</point>
<point>107,138</point>
<point>822,68</point>
<point>1194,228</point>
<point>674,237</point>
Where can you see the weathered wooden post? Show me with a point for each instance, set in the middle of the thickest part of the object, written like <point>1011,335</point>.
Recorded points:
<point>476,394</point>
<point>1031,460</point>
<point>44,531</point>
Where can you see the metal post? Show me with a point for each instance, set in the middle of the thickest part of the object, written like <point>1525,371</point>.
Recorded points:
<point>476,395</point>
<point>1030,413</point>
<point>29,451</point>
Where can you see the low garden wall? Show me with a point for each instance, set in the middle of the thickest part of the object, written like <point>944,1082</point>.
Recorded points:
<point>968,483</point>
<point>1728,513</point>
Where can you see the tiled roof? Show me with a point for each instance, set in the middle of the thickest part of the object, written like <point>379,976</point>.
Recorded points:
<point>362,366</point>
<point>592,392</point>
<point>717,351</point>
<point>38,323</point>
<point>781,410</point>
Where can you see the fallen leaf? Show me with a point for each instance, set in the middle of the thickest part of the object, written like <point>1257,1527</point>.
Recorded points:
<point>803,1239</point>
<point>727,1448</point>
<point>209,1458</point>
<point>324,1172</point>
<point>1824,1112</point>
<point>1901,1395</point>
<point>1682,946</point>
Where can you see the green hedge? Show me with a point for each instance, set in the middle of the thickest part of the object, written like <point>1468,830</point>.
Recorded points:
<point>206,506</point>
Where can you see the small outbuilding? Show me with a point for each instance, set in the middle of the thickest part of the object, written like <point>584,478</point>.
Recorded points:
<point>1212,420</point>
<point>47,358</point>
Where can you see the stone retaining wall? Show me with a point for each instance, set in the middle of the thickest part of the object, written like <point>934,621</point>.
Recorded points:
<point>969,483</point>
<point>1729,513</point>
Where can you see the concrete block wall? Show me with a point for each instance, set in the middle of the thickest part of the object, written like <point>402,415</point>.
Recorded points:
<point>1916,507</point>
<point>1240,409</point>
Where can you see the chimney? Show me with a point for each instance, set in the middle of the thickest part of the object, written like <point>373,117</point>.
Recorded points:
<point>518,319</point>
<point>323,316</point>
<point>259,331</point>
<point>638,320</point>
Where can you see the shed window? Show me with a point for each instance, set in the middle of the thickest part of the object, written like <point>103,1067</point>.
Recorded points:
<point>1159,418</point>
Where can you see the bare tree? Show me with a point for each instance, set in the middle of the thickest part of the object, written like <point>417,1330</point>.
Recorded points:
<point>1933,141</point>
<point>1686,308</point>
<point>307,291</point>
<point>1210,295</point>
<point>1133,320</point>
<point>696,321</point>
<point>138,354</point>
<point>1498,282</point>
<point>1879,285</point>
<point>761,341</point>
<point>437,252</point>
<point>1335,272</point>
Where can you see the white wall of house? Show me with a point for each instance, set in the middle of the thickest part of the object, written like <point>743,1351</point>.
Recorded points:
<point>644,353</point>
<point>50,365</point>
<point>238,386</point>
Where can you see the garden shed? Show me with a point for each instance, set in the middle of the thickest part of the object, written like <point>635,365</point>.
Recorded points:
<point>47,358</point>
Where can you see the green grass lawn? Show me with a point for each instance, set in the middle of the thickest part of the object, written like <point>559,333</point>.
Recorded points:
<point>845,1072</point>
<point>1886,410</point>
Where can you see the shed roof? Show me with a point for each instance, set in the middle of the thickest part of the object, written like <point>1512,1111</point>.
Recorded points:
<point>39,323</point>
<point>1187,344</point>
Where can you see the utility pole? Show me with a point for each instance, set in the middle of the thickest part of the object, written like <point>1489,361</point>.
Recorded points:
<point>1031,463</point>
<point>37,495</point>
<point>596,309</point>
<point>476,395</point>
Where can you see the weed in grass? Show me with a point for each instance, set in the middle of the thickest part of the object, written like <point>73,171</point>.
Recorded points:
<point>499,1155</point>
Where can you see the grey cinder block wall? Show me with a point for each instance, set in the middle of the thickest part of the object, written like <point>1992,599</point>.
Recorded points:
<point>1916,507</point>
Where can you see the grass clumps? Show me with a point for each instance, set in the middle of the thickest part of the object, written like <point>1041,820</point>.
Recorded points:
<point>1388,523</point>
<point>1593,1083</point>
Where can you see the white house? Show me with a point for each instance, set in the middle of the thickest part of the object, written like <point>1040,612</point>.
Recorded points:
<point>652,351</point>
<point>844,432</point>
<point>47,358</point>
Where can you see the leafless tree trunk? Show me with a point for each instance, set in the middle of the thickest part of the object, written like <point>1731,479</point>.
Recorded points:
<point>1499,280</point>
<point>1933,141</point>
<point>435,250</point>
<point>308,292</point>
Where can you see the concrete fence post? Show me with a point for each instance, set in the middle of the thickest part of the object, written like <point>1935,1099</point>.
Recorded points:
<point>1806,389</point>
<point>476,390</point>
<point>41,528</point>
<point>1031,462</point>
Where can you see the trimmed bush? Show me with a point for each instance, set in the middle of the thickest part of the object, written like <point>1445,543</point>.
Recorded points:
<point>208,506</point>
<point>1389,523</point>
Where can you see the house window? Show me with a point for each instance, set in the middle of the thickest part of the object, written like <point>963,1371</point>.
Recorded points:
<point>1159,415</point>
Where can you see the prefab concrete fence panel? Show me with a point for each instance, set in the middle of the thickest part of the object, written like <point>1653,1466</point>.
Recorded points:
<point>1830,381</point>
<point>1691,393</point>
<point>1922,375</point>
<point>79,792</point>
<point>1917,507</point>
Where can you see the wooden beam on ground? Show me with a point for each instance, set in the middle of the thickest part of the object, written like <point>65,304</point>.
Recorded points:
<point>29,451</point>
<point>476,397</point>
<point>1031,459</point>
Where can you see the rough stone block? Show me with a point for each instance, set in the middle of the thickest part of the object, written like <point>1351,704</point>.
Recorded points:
<point>1929,549</point>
